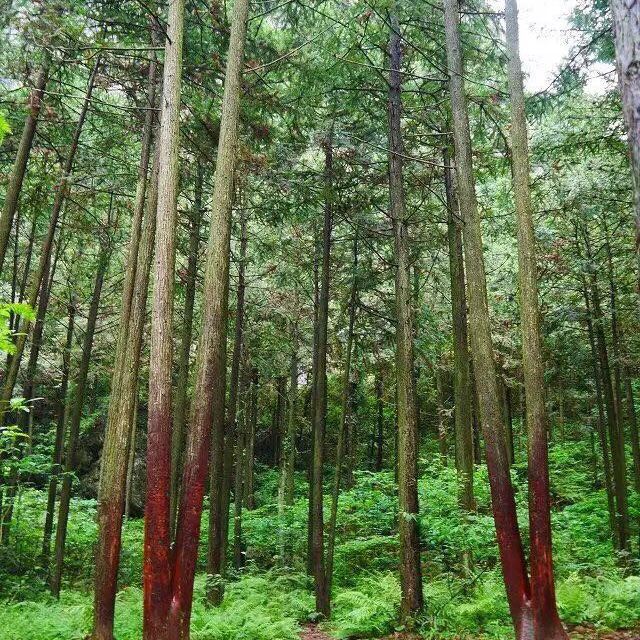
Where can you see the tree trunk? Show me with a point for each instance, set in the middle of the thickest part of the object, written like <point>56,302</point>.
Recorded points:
<point>410,569</point>
<point>117,442</point>
<point>344,416</point>
<point>209,390</point>
<point>59,439</point>
<point>181,401</point>
<point>75,418</point>
<point>157,536</point>
<point>379,388</point>
<point>462,384</point>
<point>626,28</point>
<point>602,434</point>
<point>547,625</point>
<point>490,415</point>
<point>22,156</point>
<point>616,435</point>
<point>240,453</point>
<point>320,413</point>
<point>249,493</point>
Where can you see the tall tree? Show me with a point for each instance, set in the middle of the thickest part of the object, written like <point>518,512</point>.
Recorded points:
<point>410,569</point>
<point>157,536</point>
<point>320,409</point>
<point>543,599</point>
<point>209,389</point>
<point>490,414</point>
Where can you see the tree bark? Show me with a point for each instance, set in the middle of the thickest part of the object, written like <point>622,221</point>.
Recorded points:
<point>490,415</point>
<point>462,385</point>
<point>626,29</point>
<point>344,416</point>
<point>209,390</point>
<point>157,536</point>
<point>320,409</point>
<point>249,493</point>
<point>181,400</point>
<point>58,445</point>
<point>547,625</point>
<point>379,436</point>
<point>124,388</point>
<point>410,568</point>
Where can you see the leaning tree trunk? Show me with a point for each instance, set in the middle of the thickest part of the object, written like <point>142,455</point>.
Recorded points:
<point>47,245</point>
<point>546,621</point>
<point>157,532</point>
<point>344,416</point>
<point>209,390</point>
<point>490,415</point>
<point>74,422</point>
<point>407,455</point>
<point>22,156</point>
<point>124,383</point>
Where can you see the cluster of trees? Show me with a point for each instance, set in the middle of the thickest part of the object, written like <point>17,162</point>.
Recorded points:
<point>357,167</point>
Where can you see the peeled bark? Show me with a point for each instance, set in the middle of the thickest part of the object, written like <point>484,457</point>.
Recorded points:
<point>407,449</point>
<point>157,537</point>
<point>547,625</point>
<point>74,421</point>
<point>117,441</point>
<point>490,415</point>
<point>208,398</point>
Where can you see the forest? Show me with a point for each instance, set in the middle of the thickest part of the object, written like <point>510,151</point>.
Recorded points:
<point>318,321</point>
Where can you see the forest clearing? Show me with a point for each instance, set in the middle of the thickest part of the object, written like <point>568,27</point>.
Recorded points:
<point>319,320</point>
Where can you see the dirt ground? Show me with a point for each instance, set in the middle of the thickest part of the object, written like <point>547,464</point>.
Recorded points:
<point>311,632</point>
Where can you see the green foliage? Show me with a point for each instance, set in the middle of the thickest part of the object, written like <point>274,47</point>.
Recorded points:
<point>4,127</point>
<point>368,610</point>
<point>266,607</point>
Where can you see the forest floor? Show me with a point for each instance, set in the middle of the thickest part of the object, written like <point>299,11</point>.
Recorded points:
<point>311,632</point>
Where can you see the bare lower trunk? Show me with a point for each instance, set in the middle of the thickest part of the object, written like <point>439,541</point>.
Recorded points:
<point>157,531</point>
<point>74,421</point>
<point>209,389</point>
<point>547,625</point>
<point>490,415</point>
<point>181,401</point>
<point>58,445</point>
<point>410,568</point>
